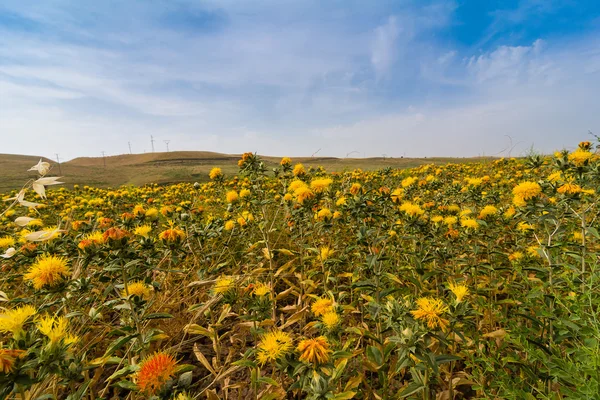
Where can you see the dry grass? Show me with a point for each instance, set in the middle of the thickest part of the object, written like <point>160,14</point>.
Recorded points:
<point>180,166</point>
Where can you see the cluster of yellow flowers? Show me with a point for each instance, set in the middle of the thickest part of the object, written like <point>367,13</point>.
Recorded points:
<point>307,271</point>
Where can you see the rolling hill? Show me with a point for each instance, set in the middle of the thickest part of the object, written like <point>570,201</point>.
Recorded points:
<point>176,166</point>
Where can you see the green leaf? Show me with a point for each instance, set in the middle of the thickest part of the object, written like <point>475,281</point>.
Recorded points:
<point>446,358</point>
<point>411,389</point>
<point>118,343</point>
<point>78,395</point>
<point>127,385</point>
<point>344,396</point>
<point>374,355</point>
<point>266,379</point>
<point>183,368</point>
<point>593,231</point>
<point>130,369</point>
<point>157,316</point>
<point>185,380</point>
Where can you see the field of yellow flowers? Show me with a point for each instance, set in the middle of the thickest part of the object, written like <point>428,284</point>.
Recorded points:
<point>466,281</point>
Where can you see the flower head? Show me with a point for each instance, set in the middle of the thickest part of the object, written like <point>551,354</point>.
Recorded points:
<point>172,235</point>
<point>487,211</point>
<point>48,270</point>
<point>303,193</point>
<point>229,225</point>
<point>8,358</point>
<point>12,321</point>
<point>406,182</point>
<point>6,242</point>
<point>260,290</point>
<point>114,234</point>
<point>55,329</point>
<point>154,372</point>
<point>151,213</point>
<point>431,310</point>
<point>580,157</point>
<point>232,196</point>
<point>137,288</point>
<point>315,350</point>
<point>330,319</point>
<point>527,190</point>
<point>459,290</point>
<point>323,214</point>
<point>569,188</point>
<point>91,239</point>
<point>42,167</point>
<point>322,306</point>
<point>285,161</point>
<point>325,253</point>
<point>411,209</point>
<point>274,345</point>
<point>223,285</point>
<point>321,185</point>
<point>299,170</point>
<point>143,230</point>
<point>355,188</point>
<point>469,223</point>
<point>215,173</point>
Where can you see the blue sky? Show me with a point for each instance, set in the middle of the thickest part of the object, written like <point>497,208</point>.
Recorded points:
<point>413,78</point>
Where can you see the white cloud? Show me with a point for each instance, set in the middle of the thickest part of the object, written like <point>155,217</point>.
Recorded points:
<point>285,80</point>
<point>384,50</point>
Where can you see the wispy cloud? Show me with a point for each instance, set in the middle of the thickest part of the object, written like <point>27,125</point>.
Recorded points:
<point>278,78</point>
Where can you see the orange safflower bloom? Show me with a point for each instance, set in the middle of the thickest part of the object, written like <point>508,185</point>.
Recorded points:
<point>114,234</point>
<point>155,371</point>
<point>314,350</point>
<point>8,358</point>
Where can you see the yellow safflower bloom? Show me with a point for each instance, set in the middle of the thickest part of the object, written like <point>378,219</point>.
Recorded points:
<point>525,191</point>
<point>460,290</point>
<point>487,211</point>
<point>223,284</point>
<point>407,182</point>
<point>12,321</point>
<point>323,214</point>
<point>569,188</point>
<point>260,290</point>
<point>229,225</point>
<point>469,223</point>
<point>320,185</point>
<point>48,270</point>
<point>6,242</point>
<point>285,161</point>
<point>55,329</point>
<point>322,306</point>
<point>137,288</point>
<point>431,311</point>
<point>143,230</point>
<point>215,173</point>
<point>330,319</point>
<point>172,235</point>
<point>299,170</point>
<point>151,213</point>
<point>580,157</point>
<point>273,345</point>
<point>325,252</point>
<point>303,193</point>
<point>411,209</point>
<point>232,196</point>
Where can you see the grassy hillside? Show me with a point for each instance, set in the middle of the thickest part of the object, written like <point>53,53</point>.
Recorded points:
<point>178,166</point>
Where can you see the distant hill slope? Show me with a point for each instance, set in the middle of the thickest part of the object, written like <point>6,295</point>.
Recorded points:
<point>13,170</point>
<point>177,166</point>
